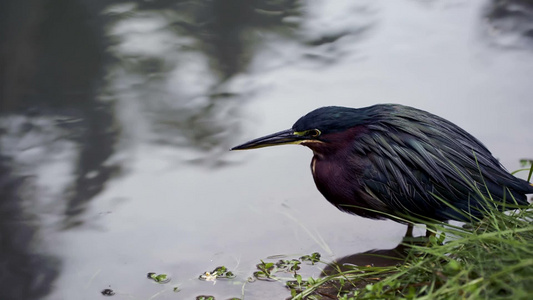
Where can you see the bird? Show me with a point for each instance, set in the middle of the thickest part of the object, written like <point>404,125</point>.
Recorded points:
<point>391,161</point>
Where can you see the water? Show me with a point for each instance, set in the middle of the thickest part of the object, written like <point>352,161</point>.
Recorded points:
<point>117,119</point>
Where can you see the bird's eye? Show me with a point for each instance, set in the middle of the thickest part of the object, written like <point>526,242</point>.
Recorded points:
<point>313,133</point>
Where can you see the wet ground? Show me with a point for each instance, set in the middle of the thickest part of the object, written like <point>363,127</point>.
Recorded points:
<point>116,119</point>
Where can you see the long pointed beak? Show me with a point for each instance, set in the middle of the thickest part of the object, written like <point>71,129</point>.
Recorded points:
<point>278,138</point>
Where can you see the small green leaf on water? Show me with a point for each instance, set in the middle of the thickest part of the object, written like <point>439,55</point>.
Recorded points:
<point>218,272</point>
<point>313,258</point>
<point>265,270</point>
<point>289,265</point>
<point>159,278</point>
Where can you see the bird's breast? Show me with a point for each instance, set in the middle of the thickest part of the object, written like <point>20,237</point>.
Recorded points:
<point>338,179</point>
<point>333,179</point>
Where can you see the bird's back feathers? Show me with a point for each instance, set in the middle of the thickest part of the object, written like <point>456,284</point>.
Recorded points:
<point>429,162</point>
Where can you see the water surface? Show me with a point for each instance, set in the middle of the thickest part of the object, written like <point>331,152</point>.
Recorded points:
<point>116,120</point>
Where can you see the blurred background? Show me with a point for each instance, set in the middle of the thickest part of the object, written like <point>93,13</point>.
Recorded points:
<point>116,118</point>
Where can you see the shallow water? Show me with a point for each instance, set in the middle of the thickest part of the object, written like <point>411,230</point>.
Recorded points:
<point>117,119</point>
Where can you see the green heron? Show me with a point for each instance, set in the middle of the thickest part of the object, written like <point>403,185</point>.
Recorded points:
<point>394,161</point>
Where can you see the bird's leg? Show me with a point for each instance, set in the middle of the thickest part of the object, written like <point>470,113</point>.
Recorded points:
<point>409,232</point>
<point>409,238</point>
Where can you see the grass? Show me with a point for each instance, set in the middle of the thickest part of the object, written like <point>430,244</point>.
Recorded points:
<point>492,259</point>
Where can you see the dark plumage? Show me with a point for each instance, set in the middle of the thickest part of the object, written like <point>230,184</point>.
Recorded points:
<point>392,160</point>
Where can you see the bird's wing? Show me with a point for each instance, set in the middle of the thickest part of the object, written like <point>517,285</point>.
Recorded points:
<point>420,166</point>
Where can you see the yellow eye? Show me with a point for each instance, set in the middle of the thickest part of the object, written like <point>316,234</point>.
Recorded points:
<point>313,133</point>
<point>308,133</point>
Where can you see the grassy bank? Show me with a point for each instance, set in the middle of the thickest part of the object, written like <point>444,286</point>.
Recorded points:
<point>489,259</point>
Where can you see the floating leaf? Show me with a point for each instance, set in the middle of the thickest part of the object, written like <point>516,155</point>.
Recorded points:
<point>289,265</point>
<point>159,278</point>
<point>218,272</point>
<point>313,258</point>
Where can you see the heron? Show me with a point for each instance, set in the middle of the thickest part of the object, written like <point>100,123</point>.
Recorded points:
<point>390,161</point>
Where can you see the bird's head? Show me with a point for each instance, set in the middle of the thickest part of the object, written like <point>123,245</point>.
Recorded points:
<point>321,129</point>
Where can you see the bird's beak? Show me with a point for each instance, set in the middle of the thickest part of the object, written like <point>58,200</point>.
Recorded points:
<point>279,138</point>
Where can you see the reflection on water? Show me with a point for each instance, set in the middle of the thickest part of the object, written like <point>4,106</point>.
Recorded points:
<point>176,61</point>
<point>116,118</point>
<point>24,272</point>
<point>511,23</point>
